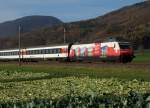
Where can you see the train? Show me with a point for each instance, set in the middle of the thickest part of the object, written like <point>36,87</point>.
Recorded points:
<point>106,51</point>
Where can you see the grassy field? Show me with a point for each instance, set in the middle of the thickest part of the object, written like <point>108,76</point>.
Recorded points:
<point>142,57</point>
<point>57,81</point>
<point>11,72</point>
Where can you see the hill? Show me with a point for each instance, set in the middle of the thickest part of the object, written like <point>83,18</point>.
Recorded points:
<point>131,23</point>
<point>29,23</point>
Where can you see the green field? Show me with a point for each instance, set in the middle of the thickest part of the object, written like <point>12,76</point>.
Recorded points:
<point>11,72</point>
<point>54,83</point>
<point>142,57</point>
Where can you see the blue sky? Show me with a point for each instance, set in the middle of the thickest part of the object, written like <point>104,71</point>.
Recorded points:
<point>65,10</point>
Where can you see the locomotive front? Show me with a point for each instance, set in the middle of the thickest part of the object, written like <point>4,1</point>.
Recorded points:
<point>126,52</point>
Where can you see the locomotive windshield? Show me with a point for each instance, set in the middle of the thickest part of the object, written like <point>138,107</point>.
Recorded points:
<point>125,45</point>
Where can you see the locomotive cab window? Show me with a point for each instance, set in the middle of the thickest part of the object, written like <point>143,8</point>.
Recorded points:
<point>125,46</point>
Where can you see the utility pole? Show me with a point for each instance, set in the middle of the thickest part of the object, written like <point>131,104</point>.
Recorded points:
<point>19,45</point>
<point>64,35</point>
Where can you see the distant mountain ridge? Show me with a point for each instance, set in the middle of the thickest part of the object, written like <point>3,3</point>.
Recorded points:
<point>131,23</point>
<point>28,23</point>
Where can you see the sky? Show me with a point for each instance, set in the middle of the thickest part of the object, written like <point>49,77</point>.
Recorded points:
<point>65,10</point>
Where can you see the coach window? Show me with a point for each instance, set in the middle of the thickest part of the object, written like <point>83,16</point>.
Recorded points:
<point>56,51</point>
<point>34,51</point>
<point>46,51</point>
<point>37,51</point>
<point>59,50</point>
<point>42,51</point>
<point>29,52</point>
<point>51,51</point>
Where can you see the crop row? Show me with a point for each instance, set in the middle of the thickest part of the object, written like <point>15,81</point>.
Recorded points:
<point>59,87</point>
<point>131,100</point>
